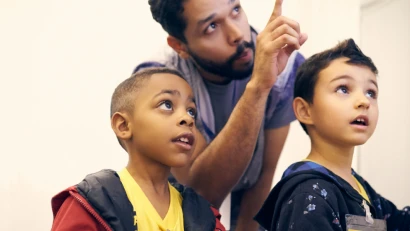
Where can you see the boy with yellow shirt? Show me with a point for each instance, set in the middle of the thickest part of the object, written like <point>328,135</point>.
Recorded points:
<point>335,101</point>
<point>153,116</point>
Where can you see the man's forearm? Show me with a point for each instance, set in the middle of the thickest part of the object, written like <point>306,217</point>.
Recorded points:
<point>254,197</point>
<point>219,167</point>
<point>252,201</point>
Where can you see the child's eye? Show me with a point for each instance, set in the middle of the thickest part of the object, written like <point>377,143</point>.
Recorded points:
<point>166,105</point>
<point>192,112</point>
<point>342,89</point>
<point>371,94</point>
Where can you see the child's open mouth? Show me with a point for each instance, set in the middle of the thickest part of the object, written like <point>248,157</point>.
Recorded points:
<point>361,120</point>
<point>185,140</point>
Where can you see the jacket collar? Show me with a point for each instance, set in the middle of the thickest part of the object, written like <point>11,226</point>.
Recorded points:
<point>105,192</point>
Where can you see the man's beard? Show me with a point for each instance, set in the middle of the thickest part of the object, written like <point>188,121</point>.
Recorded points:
<point>226,69</point>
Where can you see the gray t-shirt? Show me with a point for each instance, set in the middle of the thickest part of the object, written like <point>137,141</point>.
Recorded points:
<point>223,99</point>
<point>225,96</point>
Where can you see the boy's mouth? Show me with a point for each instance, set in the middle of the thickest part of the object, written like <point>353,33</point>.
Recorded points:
<point>185,139</point>
<point>361,120</point>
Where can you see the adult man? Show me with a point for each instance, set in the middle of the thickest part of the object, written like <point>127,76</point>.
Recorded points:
<point>243,85</point>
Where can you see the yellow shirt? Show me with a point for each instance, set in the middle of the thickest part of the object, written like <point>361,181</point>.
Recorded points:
<point>146,216</point>
<point>360,190</point>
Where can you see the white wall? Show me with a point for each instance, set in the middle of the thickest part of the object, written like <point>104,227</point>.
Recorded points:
<point>384,160</point>
<point>60,62</point>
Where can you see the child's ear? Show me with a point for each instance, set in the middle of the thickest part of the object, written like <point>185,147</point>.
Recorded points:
<point>302,111</point>
<point>121,126</point>
<point>178,46</point>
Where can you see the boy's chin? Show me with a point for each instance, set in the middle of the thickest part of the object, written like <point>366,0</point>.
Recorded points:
<point>179,162</point>
<point>358,142</point>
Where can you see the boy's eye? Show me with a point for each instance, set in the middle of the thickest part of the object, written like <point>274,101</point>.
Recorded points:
<point>192,112</point>
<point>166,105</point>
<point>371,94</point>
<point>342,89</point>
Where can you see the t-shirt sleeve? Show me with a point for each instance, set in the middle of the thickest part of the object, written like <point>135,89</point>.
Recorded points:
<point>308,211</point>
<point>283,113</point>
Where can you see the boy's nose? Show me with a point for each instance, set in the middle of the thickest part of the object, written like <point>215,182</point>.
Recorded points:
<point>362,102</point>
<point>187,120</point>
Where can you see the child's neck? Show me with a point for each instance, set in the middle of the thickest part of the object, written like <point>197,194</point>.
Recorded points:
<point>151,176</point>
<point>335,158</point>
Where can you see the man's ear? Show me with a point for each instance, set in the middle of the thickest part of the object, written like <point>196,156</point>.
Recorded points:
<point>121,126</point>
<point>302,111</point>
<point>178,46</point>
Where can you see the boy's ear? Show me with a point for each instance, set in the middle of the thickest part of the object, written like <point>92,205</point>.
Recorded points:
<point>302,111</point>
<point>121,126</point>
<point>178,46</point>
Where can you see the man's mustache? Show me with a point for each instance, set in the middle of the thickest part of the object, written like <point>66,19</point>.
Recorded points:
<point>240,49</point>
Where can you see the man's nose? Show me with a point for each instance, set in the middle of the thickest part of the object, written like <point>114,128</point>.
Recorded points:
<point>235,35</point>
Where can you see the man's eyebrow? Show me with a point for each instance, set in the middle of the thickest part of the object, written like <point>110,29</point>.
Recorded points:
<point>212,16</point>
<point>207,19</point>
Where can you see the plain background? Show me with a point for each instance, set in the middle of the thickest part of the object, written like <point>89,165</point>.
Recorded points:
<point>61,60</point>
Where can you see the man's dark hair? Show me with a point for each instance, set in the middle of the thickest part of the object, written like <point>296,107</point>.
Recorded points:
<point>123,98</point>
<point>308,73</point>
<point>168,13</point>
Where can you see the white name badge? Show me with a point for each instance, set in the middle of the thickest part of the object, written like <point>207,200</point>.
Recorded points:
<point>361,223</point>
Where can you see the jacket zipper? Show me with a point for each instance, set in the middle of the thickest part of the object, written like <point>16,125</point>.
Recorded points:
<point>366,207</point>
<point>96,216</point>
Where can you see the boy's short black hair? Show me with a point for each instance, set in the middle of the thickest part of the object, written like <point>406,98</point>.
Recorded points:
<point>168,13</point>
<point>308,73</point>
<point>123,98</point>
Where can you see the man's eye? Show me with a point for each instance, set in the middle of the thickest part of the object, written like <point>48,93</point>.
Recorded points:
<point>210,28</point>
<point>236,10</point>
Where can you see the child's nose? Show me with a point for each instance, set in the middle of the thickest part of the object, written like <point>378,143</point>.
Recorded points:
<point>362,101</point>
<point>187,120</point>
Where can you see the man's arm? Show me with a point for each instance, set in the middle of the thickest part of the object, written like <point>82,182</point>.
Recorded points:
<point>254,197</point>
<point>215,170</point>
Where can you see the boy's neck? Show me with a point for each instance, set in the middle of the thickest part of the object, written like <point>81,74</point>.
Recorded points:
<point>151,176</point>
<point>336,158</point>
